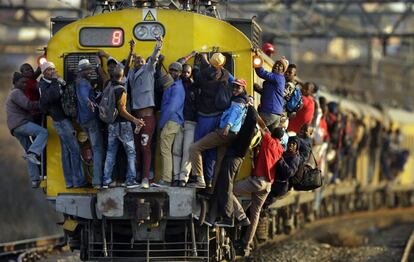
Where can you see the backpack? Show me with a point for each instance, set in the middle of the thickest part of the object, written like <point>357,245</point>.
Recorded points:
<point>108,111</point>
<point>307,178</point>
<point>222,100</point>
<point>294,102</point>
<point>69,100</point>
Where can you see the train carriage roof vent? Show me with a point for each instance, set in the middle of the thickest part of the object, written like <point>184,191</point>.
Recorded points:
<point>250,28</point>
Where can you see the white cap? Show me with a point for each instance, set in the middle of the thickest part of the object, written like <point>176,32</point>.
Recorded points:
<point>46,65</point>
<point>84,64</point>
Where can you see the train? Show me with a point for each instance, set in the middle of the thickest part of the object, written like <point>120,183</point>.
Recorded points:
<point>165,223</point>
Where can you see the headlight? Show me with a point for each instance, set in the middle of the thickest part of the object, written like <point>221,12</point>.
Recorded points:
<point>149,31</point>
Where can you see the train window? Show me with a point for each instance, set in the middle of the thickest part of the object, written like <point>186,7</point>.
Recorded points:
<point>71,64</point>
<point>101,37</point>
<point>148,31</point>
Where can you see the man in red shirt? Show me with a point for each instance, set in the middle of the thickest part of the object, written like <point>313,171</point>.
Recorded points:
<point>305,114</point>
<point>258,185</point>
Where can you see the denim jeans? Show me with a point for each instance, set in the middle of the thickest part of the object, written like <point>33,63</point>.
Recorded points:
<point>204,126</point>
<point>71,161</point>
<point>39,134</point>
<point>120,132</point>
<point>95,137</point>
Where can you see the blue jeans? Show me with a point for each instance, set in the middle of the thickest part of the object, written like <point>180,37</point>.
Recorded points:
<point>120,132</point>
<point>39,134</point>
<point>204,126</point>
<point>71,161</point>
<point>95,137</point>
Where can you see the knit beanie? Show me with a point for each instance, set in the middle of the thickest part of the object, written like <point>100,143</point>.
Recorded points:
<point>46,65</point>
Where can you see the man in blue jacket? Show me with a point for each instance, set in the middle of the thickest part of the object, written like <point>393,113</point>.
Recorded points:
<point>271,100</point>
<point>88,118</point>
<point>171,120</point>
<point>230,124</point>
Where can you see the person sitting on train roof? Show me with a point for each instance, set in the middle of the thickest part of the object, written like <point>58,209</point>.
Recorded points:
<point>185,136</point>
<point>31,91</point>
<point>271,100</point>
<point>88,118</point>
<point>230,124</point>
<point>258,185</point>
<point>121,131</point>
<point>141,81</point>
<point>209,80</point>
<point>21,126</point>
<point>221,203</point>
<point>171,121</point>
<point>305,114</point>
<point>50,86</point>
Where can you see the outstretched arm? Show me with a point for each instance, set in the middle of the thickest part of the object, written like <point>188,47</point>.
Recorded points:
<point>128,60</point>
<point>156,53</point>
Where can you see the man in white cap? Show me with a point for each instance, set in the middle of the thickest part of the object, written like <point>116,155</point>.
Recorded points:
<point>50,93</point>
<point>88,118</point>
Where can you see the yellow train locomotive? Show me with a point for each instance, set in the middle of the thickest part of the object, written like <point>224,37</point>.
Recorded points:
<point>125,223</point>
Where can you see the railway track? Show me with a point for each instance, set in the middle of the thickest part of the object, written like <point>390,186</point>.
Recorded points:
<point>408,248</point>
<point>30,249</point>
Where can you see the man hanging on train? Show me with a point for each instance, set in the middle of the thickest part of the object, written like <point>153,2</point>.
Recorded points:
<point>271,100</point>
<point>171,121</point>
<point>88,118</point>
<point>119,130</point>
<point>141,81</point>
<point>21,125</point>
<point>50,86</point>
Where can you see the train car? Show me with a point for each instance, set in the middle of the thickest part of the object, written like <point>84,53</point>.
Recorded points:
<point>156,223</point>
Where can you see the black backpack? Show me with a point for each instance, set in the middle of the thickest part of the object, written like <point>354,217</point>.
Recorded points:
<point>307,178</point>
<point>69,100</point>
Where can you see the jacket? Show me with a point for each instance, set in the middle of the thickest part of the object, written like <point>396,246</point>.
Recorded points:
<point>85,95</point>
<point>190,106</point>
<point>233,116</point>
<point>172,104</point>
<point>141,82</point>
<point>50,93</point>
<point>271,100</point>
<point>208,82</point>
<point>18,108</point>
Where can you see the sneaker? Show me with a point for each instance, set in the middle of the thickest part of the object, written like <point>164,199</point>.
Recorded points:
<point>244,222</point>
<point>113,184</point>
<point>162,183</point>
<point>174,183</point>
<point>133,184</point>
<point>181,183</point>
<point>105,185</point>
<point>145,183</point>
<point>225,222</point>
<point>35,184</point>
<point>198,184</point>
<point>209,184</point>
<point>32,158</point>
<point>97,187</point>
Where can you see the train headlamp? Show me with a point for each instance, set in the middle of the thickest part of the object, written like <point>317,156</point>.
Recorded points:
<point>257,61</point>
<point>149,31</point>
<point>41,60</point>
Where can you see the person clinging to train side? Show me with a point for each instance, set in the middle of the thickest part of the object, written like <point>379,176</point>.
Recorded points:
<point>171,121</point>
<point>258,185</point>
<point>119,129</point>
<point>88,118</point>
<point>230,124</point>
<point>213,81</point>
<point>23,128</point>
<point>272,97</point>
<point>141,81</point>
<point>50,86</point>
